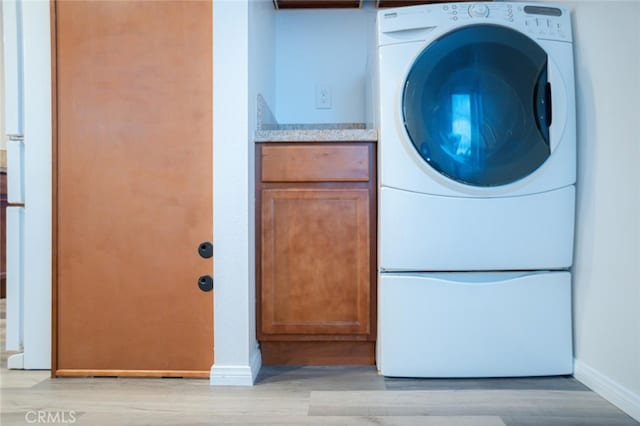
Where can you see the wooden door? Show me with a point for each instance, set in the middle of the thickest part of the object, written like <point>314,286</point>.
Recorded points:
<point>133,188</point>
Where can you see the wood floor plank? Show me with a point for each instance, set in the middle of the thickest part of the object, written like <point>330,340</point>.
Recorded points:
<point>188,419</point>
<point>131,401</point>
<point>321,378</point>
<point>567,383</point>
<point>461,402</point>
<point>620,420</point>
<point>10,379</point>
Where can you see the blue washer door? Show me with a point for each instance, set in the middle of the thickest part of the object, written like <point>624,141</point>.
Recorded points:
<point>477,105</point>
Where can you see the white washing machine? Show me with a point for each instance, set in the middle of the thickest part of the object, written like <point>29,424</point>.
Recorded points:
<point>477,156</point>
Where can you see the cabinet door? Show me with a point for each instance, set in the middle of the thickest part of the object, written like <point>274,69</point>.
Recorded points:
<point>315,261</point>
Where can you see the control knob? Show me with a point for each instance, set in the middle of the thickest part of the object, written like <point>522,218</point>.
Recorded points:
<point>478,10</point>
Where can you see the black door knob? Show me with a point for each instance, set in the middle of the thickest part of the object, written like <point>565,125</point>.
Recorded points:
<point>205,283</point>
<point>205,249</point>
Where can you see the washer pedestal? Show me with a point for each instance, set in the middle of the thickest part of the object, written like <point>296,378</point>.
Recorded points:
<point>475,324</point>
<point>422,232</point>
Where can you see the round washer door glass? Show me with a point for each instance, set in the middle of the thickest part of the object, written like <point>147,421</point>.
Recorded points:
<point>477,105</point>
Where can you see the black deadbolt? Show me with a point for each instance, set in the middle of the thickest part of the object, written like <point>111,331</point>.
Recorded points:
<point>205,283</point>
<point>205,249</point>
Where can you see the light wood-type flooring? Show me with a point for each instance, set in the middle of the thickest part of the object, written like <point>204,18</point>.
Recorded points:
<point>300,396</point>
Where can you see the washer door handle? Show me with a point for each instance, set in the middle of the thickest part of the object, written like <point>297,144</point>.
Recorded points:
<point>542,105</point>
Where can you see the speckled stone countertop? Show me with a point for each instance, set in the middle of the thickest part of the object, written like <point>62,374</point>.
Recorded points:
<point>268,130</point>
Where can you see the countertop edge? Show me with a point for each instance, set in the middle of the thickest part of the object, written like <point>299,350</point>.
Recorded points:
<point>317,135</point>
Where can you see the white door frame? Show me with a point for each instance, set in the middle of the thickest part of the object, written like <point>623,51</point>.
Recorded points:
<point>36,39</point>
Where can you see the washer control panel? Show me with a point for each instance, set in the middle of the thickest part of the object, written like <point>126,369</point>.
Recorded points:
<point>536,20</point>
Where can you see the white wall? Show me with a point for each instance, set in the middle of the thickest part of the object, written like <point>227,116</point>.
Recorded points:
<point>262,61</point>
<point>230,186</point>
<point>262,17</point>
<point>243,34</point>
<point>607,254</point>
<point>327,47</point>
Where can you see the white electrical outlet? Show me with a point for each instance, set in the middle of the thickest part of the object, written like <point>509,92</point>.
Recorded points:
<point>323,96</point>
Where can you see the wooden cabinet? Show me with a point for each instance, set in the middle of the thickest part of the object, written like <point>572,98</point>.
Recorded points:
<point>316,254</point>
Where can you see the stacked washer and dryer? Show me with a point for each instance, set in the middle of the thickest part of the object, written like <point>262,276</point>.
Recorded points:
<point>477,169</point>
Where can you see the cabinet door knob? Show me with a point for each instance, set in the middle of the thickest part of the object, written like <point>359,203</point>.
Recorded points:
<point>205,283</point>
<point>205,250</point>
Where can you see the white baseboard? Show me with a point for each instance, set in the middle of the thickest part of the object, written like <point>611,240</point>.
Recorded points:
<point>16,362</point>
<point>236,375</point>
<point>618,395</point>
